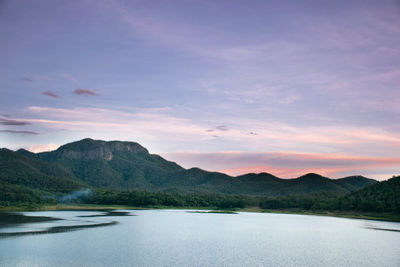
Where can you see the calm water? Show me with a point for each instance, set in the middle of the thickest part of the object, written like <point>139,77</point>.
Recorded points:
<point>179,238</point>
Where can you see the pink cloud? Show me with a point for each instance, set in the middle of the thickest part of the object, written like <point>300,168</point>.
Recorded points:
<point>50,93</point>
<point>281,172</point>
<point>183,133</point>
<point>84,92</point>
<point>285,164</point>
<point>43,147</point>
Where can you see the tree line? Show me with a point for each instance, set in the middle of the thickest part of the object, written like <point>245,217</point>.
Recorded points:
<point>380,197</point>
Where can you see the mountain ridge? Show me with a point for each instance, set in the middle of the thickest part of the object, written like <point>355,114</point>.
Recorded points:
<point>122,165</point>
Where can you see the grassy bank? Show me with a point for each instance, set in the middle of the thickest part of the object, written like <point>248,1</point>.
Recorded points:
<point>30,207</point>
<point>343,214</point>
<point>47,207</point>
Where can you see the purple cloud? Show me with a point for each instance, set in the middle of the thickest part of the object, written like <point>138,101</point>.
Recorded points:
<point>18,132</point>
<point>222,128</point>
<point>50,93</point>
<point>13,122</point>
<point>27,79</point>
<point>84,92</point>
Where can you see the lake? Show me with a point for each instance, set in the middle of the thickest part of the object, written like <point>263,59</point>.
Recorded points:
<point>182,238</point>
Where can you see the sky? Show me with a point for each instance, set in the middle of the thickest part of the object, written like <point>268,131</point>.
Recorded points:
<point>284,87</point>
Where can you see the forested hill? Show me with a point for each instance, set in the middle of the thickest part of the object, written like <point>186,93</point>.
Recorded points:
<point>26,169</point>
<point>129,166</point>
<point>378,197</point>
<point>113,165</point>
<point>383,196</point>
<point>26,178</point>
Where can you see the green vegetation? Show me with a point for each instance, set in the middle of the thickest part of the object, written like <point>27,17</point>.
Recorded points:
<point>19,193</point>
<point>125,174</point>
<point>380,197</point>
<point>380,200</point>
<point>113,165</point>
<point>25,169</point>
<point>128,166</point>
<point>153,199</point>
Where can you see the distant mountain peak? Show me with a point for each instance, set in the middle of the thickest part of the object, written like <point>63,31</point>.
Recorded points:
<point>127,165</point>
<point>357,180</point>
<point>311,175</point>
<point>97,149</point>
<point>355,177</point>
<point>25,152</point>
<point>261,175</point>
<point>312,178</point>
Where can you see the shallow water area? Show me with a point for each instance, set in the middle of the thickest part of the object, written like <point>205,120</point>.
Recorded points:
<point>67,220</point>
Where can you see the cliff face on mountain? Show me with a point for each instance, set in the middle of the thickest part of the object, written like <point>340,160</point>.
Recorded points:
<point>114,165</point>
<point>88,149</point>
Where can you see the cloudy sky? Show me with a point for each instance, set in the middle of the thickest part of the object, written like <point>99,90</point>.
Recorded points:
<point>285,87</point>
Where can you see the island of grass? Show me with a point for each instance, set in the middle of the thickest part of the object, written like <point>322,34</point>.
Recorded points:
<point>214,211</point>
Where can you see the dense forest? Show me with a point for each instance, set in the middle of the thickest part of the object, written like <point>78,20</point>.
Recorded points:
<point>125,173</point>
<point>379,197</point>
<point>25,169</point>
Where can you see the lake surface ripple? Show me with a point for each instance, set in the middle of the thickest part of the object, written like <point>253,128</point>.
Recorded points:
<point>182,238</point>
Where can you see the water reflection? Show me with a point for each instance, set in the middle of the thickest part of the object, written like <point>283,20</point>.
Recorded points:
<point>31,223</point>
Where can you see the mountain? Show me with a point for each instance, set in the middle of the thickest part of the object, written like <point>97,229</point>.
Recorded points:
<point>26,178</point>
<point>354,183</point>
<point>383,196</point>
<point>26,169</point>
<point>113,165</point>
<point>127,165</point>
<point>267,184</point>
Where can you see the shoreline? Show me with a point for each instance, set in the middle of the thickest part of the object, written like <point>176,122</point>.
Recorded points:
<point>390,217</point>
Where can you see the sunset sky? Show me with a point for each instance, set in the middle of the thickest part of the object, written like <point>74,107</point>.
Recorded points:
<point>285,87</point>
